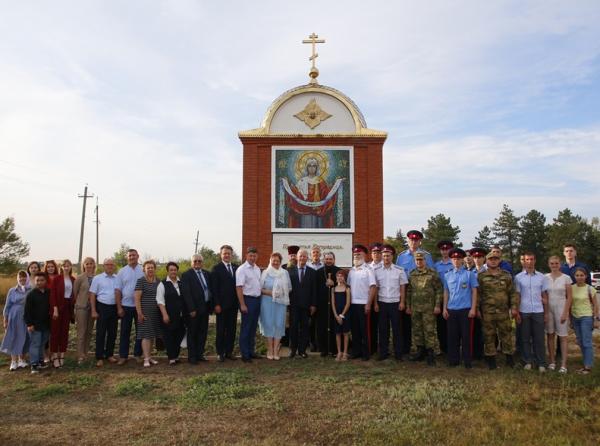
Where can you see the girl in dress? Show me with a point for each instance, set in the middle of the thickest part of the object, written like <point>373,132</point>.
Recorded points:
<point>559,304</point>
<point>340,304</point>
<point>148,314</point>
<point>584,311</point>
<point>16,338</point>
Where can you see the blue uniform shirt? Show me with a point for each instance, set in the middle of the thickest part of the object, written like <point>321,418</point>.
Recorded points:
<point>442,268</point>
<point>459,284</point>
<point>407,261</point>
<point>570,270</point>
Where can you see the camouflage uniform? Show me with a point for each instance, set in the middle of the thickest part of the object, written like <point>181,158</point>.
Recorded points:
<point>497,297</point>
<point>423,294</point>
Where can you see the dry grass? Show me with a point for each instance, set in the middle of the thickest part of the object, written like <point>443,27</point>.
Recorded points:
<point>6,283</point>
<point>314,401</point>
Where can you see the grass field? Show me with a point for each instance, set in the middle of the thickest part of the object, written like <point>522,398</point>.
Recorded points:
<point>294,402</point>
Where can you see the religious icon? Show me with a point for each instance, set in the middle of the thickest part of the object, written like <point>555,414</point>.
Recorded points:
<point>313,190</point>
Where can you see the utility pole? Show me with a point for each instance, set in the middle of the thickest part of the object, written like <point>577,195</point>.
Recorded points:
<point>85,196</point>
<point>197,235</point>
<point>97,233</point>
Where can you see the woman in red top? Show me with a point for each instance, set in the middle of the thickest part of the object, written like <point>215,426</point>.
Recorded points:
<point>51,270</point>
<point>61,308</point>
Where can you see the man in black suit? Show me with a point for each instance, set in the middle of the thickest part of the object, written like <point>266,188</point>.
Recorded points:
<point>196,290</point>
<point>226,303</point>
<point>303,301</point>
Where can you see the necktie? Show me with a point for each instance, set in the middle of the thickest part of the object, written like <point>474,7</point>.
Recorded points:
<point>203,283</point>
<point>301,274</point>
<point>229,269</point>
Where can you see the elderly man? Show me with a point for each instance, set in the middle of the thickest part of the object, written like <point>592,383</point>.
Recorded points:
<point>361,280</point>
<point>127,277</point>
<point>197,295</point>
<point>104,311</point>
<point>247,281</point>
<point>391,299</point>
<point>303,301</point>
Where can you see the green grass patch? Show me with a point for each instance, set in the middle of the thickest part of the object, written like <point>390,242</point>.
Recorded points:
<point>49,391</point>
<point>83,382</point>
<point>230,388</point>
<point>136,387</point>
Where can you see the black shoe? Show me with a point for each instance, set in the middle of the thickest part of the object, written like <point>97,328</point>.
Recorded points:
<point>430,357</point>
<point>193,362</point>
<point>230,357</point>
<point>399,358</point>
<point>43,365</point>
<point>291,354</point>
<point>353,356</point>
<point>491,362</point>
<point>247,360</point>
<point>365,358</point>
<point>303,355</point>
<point>255,356</point>
<point>419,355</point>
<point>510,362</point>
<point>221,358</point>
<point>324,354</point>
<point>382,357</point>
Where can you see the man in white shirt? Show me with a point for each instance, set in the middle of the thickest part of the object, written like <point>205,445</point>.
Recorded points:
<point>361,280</point>
<point>247,281</point>
<point>391,290</point>
<point>127,277</point>
<point>104,311</point>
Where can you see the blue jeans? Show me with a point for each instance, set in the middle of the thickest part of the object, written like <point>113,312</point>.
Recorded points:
<point>127,321</point>
<point>37,341</point>
<point>584,327</point>
<point>248,327</point>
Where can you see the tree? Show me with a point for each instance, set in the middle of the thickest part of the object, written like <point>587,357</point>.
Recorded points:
<point>506,231</point>
<point>568,228</point>
<point>439,228</point>
<point>12,248</point>
<point>120,255</point>
<point>398,242</point>
<point>484,239</point>
<point>533,235</point>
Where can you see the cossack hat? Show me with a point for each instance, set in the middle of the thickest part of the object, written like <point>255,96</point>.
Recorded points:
<point>414,235</point>
<point>359,248</point>
<point>478,252</point>
<point>457,253</point>
<point>445,244</point>
<point>388,248</point>
<point>376,246</point>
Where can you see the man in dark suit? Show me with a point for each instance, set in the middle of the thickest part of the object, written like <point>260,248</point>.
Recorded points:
<point>303,301</point>
<point>226,303</point>
<point>196,290</point>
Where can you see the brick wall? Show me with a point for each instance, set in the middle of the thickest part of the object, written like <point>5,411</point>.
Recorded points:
<point>368,188</point>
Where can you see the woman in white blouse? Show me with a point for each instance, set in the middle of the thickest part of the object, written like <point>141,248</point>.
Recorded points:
<point>170,303</point>
<point>559,304</point>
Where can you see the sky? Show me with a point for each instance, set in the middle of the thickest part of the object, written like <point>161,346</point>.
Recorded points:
<point>485,103</point>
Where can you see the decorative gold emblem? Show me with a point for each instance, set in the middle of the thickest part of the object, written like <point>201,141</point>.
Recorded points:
<point>312,115</point>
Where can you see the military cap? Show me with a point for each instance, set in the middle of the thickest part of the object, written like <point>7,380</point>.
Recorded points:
<point>478,252</point>
<point>419,255</point>
<point>376,246</point>
<point>359,248</point>
<point>492,255</point>
<point>445,244</point>
<point>388,248</point>
<point>293,249</point>
<point>414,235</point>
<point>457,253</point>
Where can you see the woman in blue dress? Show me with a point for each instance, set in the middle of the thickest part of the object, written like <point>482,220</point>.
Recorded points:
<point>16,338</point>
<point>275,289</point>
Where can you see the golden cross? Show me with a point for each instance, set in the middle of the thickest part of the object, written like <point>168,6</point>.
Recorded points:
<point>313,39</point>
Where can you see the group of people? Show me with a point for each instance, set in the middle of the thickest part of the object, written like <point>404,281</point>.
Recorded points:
<point>464,305</point>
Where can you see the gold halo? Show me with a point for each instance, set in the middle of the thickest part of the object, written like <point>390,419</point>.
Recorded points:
<point>320,156</point>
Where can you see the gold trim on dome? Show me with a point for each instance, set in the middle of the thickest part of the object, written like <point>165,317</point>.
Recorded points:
<point>313,114</point>
<point>360,124</point>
